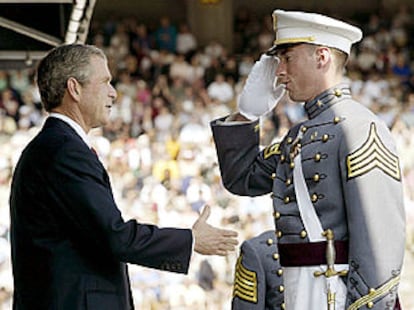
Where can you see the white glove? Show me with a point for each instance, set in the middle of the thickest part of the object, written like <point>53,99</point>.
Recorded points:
<point>260,93</point>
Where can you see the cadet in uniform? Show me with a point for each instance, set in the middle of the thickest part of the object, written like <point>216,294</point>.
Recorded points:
<point>258,280</point>
<point>334,179</point>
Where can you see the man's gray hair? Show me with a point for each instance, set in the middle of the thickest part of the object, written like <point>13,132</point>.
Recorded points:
<point>60,64</point>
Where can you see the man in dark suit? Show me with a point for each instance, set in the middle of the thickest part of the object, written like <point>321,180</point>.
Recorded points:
<point>70,244</point>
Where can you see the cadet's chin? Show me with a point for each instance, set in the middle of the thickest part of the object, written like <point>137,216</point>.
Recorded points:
<point>293,97</point>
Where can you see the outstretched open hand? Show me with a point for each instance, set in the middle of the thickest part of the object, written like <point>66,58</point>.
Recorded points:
<point>210,240</point>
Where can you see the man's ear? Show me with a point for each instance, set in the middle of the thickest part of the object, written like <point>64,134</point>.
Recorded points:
<point>323,55</point>
<point>74,88</point>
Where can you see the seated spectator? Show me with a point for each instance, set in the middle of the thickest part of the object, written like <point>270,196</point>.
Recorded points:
<point>179,68</point>
<point>166,35</point>
<point>186,41</point>
<point>220,89</point>
<point>402,68</point>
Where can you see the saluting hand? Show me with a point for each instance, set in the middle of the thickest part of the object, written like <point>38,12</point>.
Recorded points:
<point>210,240</point>
<point>261,93</point>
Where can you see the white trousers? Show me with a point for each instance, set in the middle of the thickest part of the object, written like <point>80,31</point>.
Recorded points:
<point>304,291</point>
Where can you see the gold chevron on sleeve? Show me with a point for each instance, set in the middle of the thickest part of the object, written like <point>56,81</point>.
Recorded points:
<point>373,154</point>
<point>245,283</point>
<point>271,150</point>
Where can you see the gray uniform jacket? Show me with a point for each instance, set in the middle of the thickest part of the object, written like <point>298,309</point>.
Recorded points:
<point>352,172</point>
<point>258,279</point>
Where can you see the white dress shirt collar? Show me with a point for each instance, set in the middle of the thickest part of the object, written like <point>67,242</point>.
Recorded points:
<point>74,125</point>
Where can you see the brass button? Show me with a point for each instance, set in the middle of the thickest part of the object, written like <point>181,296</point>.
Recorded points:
<point>303,129</point>
<point>314,198</point>
<point>273,175</point>
<point>316,177</point>
<point>292,165</point>
<point>288,181</point>
<point>319,103</point>
<point>282,306</point>
<point>279,234</point>
<point>269,241</point>
<point>336,120</point>
<point>325,138</point>
<point>317,157</point>
<point>282,158</point>
<point>280,272</point>
<point>372,290</point>
<point>281,288</point>
<point>277,215</point>
<point>303,234</point>
<point>370,305</point>
<point>338,92</point>
<point>287,199</point>
<point>275,256</point>
<point>289,140</point>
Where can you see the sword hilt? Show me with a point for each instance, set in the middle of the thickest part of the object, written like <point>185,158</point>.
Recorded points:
<point>330,272</point>
<point>330,257</point>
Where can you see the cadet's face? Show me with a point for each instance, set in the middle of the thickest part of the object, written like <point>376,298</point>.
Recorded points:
<point>297,69</point>
<point>98,95</point>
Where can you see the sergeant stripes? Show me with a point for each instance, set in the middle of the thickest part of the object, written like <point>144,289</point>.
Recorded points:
<point>245,283</point>
<point>373,154</point>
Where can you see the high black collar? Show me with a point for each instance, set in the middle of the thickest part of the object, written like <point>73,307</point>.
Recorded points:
<point>326,99</point>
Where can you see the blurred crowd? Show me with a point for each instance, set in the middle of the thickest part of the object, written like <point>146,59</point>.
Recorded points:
<point>158,147</point>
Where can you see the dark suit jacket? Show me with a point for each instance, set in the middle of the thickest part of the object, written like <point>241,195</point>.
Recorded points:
<point>70,244</point>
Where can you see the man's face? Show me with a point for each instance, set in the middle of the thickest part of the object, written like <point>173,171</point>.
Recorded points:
<point>98,95</point>
<point>298,71</point>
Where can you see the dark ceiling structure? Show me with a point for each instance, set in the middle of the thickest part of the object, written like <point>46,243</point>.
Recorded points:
<point>29,28</point>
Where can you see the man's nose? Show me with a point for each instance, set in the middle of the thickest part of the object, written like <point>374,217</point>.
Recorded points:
<point>112,93</point>
<point>281,69</point>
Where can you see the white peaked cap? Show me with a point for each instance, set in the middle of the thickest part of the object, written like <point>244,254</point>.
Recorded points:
<point>299,27</point>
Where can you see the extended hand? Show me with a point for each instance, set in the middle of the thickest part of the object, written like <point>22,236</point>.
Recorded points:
<point>259,94</point>
<point>210,240</point>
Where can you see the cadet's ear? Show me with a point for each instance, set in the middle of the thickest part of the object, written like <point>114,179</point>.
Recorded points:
<point>323,55</point>
<point>74,88</point>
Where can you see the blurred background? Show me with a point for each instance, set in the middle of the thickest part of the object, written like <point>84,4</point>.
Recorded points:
<point>176,66</point>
